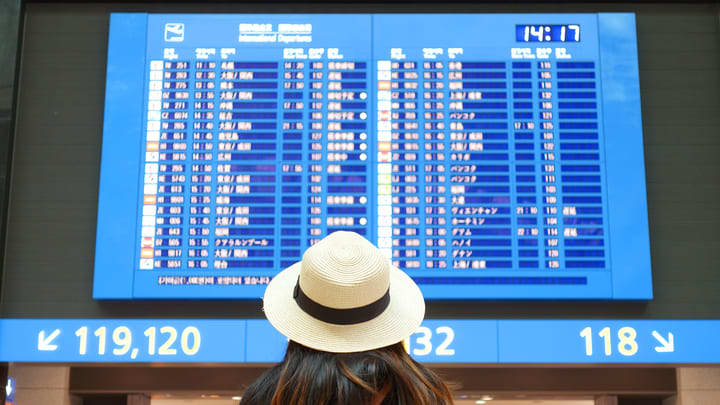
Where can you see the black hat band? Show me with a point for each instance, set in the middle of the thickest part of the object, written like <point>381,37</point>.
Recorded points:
<point>346,316</point>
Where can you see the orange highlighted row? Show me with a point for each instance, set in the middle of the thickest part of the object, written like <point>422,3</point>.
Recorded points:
<point>383,85</point>
<point>152,146</point>
<point>149,199</point>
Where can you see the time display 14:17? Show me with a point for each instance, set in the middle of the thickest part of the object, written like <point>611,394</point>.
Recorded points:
<point>547,33</point>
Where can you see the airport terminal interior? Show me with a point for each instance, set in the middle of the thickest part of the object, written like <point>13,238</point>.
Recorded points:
<point>547,174</point>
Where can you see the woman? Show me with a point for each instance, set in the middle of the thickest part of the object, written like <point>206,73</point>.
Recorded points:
<point>345,311</point>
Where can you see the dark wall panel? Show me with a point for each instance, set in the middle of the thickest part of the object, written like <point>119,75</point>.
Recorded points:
<point>231,380</point>
<point>48,261</point>
<point>9,29</point>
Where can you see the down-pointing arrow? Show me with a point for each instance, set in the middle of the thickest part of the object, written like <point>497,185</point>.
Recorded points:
<point>667,346</point>
<point>45,343</point>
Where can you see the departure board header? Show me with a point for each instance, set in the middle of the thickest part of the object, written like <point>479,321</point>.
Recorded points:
<point>492,156</point>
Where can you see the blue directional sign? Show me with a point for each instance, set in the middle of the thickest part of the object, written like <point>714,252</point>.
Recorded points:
<point>604,341</point>
<point>435,341</point>
<point>121,340</point>
<point>262,335</point>
<point>466,341</point>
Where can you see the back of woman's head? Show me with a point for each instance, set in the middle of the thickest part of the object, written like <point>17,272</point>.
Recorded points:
<point>385,376</point>
<point>344,308</point>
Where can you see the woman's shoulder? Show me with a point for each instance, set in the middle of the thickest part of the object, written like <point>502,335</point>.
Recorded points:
<point>261,391</point>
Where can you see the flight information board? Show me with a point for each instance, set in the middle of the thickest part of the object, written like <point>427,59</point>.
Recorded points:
<point>491,156</point>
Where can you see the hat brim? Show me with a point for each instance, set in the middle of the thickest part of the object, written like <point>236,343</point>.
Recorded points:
<point>400,320</point>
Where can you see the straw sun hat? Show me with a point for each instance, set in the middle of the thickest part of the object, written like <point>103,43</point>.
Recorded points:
<point>344,296</point>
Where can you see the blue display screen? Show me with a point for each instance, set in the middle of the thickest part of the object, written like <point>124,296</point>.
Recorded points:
<point>484,163</point>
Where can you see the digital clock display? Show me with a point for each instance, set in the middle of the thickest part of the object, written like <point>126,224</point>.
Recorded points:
<point>547,33</point>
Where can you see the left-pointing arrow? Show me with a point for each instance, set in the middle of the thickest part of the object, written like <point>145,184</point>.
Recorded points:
<point>45,343</point>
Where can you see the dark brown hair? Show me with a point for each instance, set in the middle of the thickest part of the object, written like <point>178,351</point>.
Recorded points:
<point>385,376</point>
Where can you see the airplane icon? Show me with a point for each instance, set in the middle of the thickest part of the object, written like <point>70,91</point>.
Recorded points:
<point>174,32</point>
